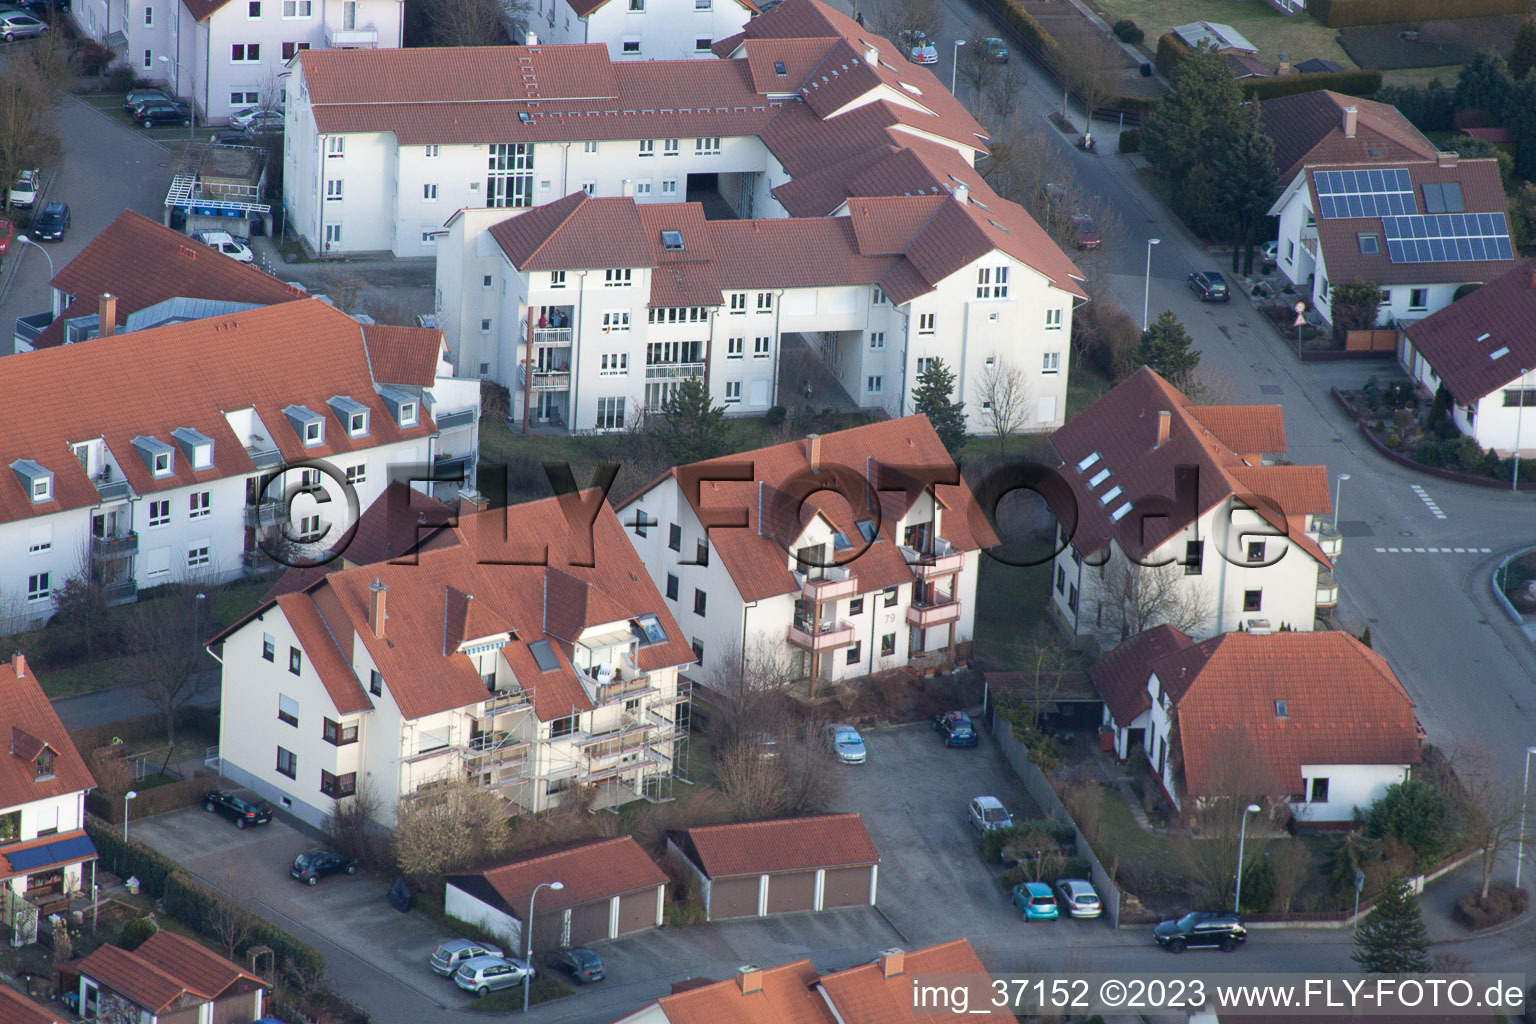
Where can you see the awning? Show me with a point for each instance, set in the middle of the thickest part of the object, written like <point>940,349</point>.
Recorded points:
<point>42,855</point>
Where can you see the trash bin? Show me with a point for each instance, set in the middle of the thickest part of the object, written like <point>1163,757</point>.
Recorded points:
<point>1146,70</point>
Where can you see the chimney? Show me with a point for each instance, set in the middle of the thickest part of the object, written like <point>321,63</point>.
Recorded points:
<point>813,451</point>
<point>1445,159</point>
<point>471,502</point>
<point>1351,118</point>
<point>962,194</point>
<point>872,56</point>
<point>376,612</point>
<point>1164,426</point>
<point>892,962</point>
<point>531,39</point>
<point>19,665</point>
<point>1284,67</point>
<point>106,313</point>
<point>749,978</point>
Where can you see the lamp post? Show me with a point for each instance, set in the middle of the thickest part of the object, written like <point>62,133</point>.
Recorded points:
<point>1237,897</point>
<point>954,66</point>
<point>191,104</point>
<point>1338,491</point>
<point>1525,789</point>
<point>197,610</point>
<point>528,980</point>
<point>24,240</point>
<point>1514,473</point>
<point>1146,295</point>
<point>127,797</point>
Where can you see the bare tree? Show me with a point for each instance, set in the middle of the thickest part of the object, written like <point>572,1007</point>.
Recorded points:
<point>464,22</point>
<point>976,69</point>
<point>352,826</point>
<point>231,924</point>
<point>1217,818</point>
<point>1037,855</point>
<point>344,289</point>
<point>1206,385</point>
<point>1137,597</point>
<point>1004,99</point>
<point>26,121</point>
<point>1092,72</point>
<point>165,638</point>
<point>1004,393</point>
<point>453,825</point>
<point>1021,161</point>
<point>899,20</point>
<point>1290,863</point>
<point>795,775</point>
<point>80,605</point>
<point>1489,807</point>
<point>748,691</point>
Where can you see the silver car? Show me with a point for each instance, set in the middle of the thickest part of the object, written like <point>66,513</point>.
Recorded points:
<point>447,957</point>
<point>846,743</point>
<point>16,25</point>
<point>486,974</point>
<point>1079,897</point>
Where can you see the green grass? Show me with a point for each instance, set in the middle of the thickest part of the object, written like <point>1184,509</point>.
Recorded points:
<point>75,680</point>
<point>1010,603</point>
<point>1422,76</point>
<point>546,988</point>
<point>1266,28</point>
<point>1122,839</point>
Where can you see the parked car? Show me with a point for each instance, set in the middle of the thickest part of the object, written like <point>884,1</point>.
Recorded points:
<point>1087,231</point>
<point>18,25</point>
<point>956,728</point>
<point>1271,253</point>
<point>846,743</point>
<point>24,191</point>
<point>44,8</point>
<point>245,115</point>
<point>310,867</point>
<point>486,974</point>
<point>988,813</point>
<point>7,232</point>
<point>230,139</point>
<point>1080,898</point>
<point>1035,901</point>
<point>227,244</point>
<point>447,957</point>
<point>581,964</point>
<point>268,122</point>
<point>51,224</point>
<point>237,809</point>
<point>140,96</point>
<point>996,50</point>
<point>1202,928</point>
<point>1209,286</point>
<point>153,113</point>
<point>920,49</point>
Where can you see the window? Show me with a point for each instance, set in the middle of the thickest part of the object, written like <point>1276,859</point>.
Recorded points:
<point>42,489</point>
<point>295,660</point>
<point>765,302</point>
<point>429,193</point>
<point>616,321</point>
<point>698,651</point>
<point>253,9</point>
<point>856,606</point>
<point>1194,556</point>
<point>926,322</point>
<point>590,146</point>
<point>1323,291</point>
<point>1255,551</point>
<point>632,46</point>
<point>637,5</point>
<point>890,594</point>
<point>701,553</point>
<point>245,53</point>
<point>1319,791</point>
<point>332,234</point>
<point>732,392</point>
<point>614,364</point>
<point>563,726</point>
<point>290,49</point>
<point>620,278</point>
<point>738,304</point>
<point>761,347</point>
<point>338,785</point>
<point>287,709</point>
<point>700,601</point>
<point>431,152</point>
<point>287,763</point>
<point>1280,711</point>
<point>879,298</point>
<point>1072,596</point>
<point>703,5</point>
<point>669,147</point>
<point>198,554</point>
<point>509,174</point>
<point>485,282</point>
<point>876,340</point>
<point>675,537</point>
<point>672,586</point>
<point>888,645</point>
<point>1517,398</point>
<point>339,734</point>
<point>874,385</point>
<point>1290,251</point>
<point>269,647</point>
<point>706,146</point>
<point>375,683</point>
<point>589,187</point>
<point>992,283</point>
<point>669,186</point>
<point>703,43</point>
<point>296,8</point>
<point>557,279</point>
<point>610,413</point>
<point>333,188</point>
<point>854,651</point>
<point>149,16</point>
<point>1051,364</point>
<point>357,474</point>
<point>160,512</point>
<point>162,464</point>
<point>335,145</point>
<point>643,187</point>
<point>647,147</point>
<point>199,503</point>
<point>1053,319</point>
<point>924,362</point>
<point>1252,599</point>
<point>149,59</point>
<point>1061,580</point>
<point>1418,298</point>
<point>642,523</point>
<point>39,587</point>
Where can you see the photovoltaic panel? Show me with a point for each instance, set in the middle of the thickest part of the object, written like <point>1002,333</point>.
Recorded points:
<point>1447,238</point>
<point>1377,192</point>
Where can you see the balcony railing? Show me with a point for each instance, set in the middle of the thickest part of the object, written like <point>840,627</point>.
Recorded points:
<point>551,335</point>
<point>1328,537</point>
<point>457,418</point>
<point>120,546</point>
<point>505,703</point>
<point>267,513</point>
<point>673,371</point>
<point>264,456</point>
<point>120,592</point>
<point>452,463</point>
<point>943,561</point>
<point>551,380</point>
<point>366,37</point>
<point>110,486</point>
<point>256,563</point>
<point>936,614</point>
<point>827,636</point>
<point>834,584</point>
<point>1327,589</point>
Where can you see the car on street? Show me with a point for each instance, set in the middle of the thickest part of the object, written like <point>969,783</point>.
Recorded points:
<point>237,809</point>
<point>227,244</point>
<point>1087,231</point>
<point>988,813</point>
<point>920,50</point>
<point>1209,286</point>
<point>44,8</point>
<point>486,974</point>
<point>268,122</point>
<point>447,957</point>
<point>19,25</point>
<point>1035,901</point>
<point>7,232</point>
<point>245,115</point>
<point>24,190</point>
<point>230,139</point>
<point>51,224</point>
<point>141,96</point>
<point>581,964</point>
<point>1079,896</point>
<point>154,113</point>
<point>996,50</point>
<point>1271,253</point>
<point>847,744</point>
<point>1222,930</point>
<point>310,867</point>
<point>956,728</point>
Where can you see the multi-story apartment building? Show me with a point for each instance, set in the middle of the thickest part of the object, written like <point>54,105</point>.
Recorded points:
<point>525,649</point>
<point>183,451</point>
<point>1172,512</point>
<point>222,55</point>
<point>877,571</point>
<point>640,29</point>
<point>592,310</point>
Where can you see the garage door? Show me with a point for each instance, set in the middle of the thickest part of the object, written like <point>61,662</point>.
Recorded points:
<point>846,887</point>
<point>637,911</point>
<point>793,890</point>
<point>548,930</point>
<point>733,897</point>
<point>589,922</point>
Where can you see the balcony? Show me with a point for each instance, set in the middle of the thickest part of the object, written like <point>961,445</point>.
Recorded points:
<point>506,702</point>
<point>936,614</point>
<point>673,371</point>
<point>552,380</point>
<point>258,563</point>
<point>552,335</point>
<point>264,455</point>
<point>365,38</point>
<point>1328,537</point>
<point>457,418</point>
<point>1327,588</point>
<point>942,561</point>
<point>110,486</point>
<point>267,513</point>
<point>833,585</point>
<point>452,467</point>
<point>120,592</point>
<point>828,636</point>
<point>120,546</point>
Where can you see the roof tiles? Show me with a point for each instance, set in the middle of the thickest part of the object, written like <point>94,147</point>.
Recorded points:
<point>1308,128</point>
<point>24,707</point>
<point>787,844</point>
<point>1453,341</point>
<point>589,871</point>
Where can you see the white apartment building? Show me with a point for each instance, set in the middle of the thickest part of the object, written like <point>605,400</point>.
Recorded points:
<point>640,29</point>
<point>525,665</point>
<point>184,451</point>
<point>221,55</point>
<point>591,311</point>
<point>1173,512</point>
<point>881,575</point>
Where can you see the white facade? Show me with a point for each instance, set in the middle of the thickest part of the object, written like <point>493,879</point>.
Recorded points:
<point>641,29</point>
<point>62,813</point>
<point>1497,420</point>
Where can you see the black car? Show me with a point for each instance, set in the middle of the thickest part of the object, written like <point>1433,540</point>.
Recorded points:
<point>956,728</point>
<point>153,113</point>
<point>230,139</point>
<point>51,223</point>
<point>581,964</point>
<point>138,97</point>
<point>237,809</point>
<point>1209,286</point>
<point>1202,928</point>
<point>310,867</point>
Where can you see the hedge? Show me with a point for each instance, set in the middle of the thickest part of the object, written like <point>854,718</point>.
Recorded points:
<point>1350,13</point>
<point>1351,83</point>
<point>130,859</point>
<point>198,719</point>
<point>1170,50</point>
<point>995,840</point>
<point>169,797</point>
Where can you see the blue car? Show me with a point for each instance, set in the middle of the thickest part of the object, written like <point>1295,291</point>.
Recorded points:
<point>956,728</point>
<point>1035,901</point>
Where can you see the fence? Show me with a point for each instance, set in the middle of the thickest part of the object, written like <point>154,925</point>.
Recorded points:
<point>1040,790</point>
<point>1370,341</point>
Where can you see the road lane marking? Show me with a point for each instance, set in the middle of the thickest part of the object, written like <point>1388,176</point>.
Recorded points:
<point>1434,551</point>
<point>1427,500</point>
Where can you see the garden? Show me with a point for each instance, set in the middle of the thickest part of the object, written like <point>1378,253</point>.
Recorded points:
<point>1399,419</point>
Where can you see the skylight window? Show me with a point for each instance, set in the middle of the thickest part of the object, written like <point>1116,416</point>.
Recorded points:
<point>1369,245</point>
<point>1099,477</point>
<point>544,655</point>
<point>1111,494</point>
<point>1484,336</point>
<point>651,629</point>
<point>1090,460</point>
<point>1121,512</point>
<point>1499,353</point>
<point>914,90</point>
<point>779,68</point>
<point>672,241</point>
<point>867,529</point>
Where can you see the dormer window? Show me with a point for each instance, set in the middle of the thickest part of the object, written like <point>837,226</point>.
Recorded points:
<point>408,414</point>
<point>162,463</point>
<point>37,481</point>
<point>352,415</point>
<point>405,407</point>
<point>44,763</point>
<point>309,425</point>
<point>197,447</point>
<point>157,455</point>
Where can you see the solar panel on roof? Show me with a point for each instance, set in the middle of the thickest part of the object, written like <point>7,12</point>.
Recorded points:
<point>1447,238</point>
<point>1377,192</point>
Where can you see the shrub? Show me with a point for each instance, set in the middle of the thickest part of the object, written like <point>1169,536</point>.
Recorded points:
<point>1258,887</point>
<point>1130,140</point>
<point>1417,815</point>
<point>198,907</point>
<point>775,416</point>
<point>1170,50</point>
<point>1127,32</point>
<point>994,842</point>
<point>1351,83</point>
<point>120,78</point>
<point>1430,108</point>
<point>94,57</point>
<point>136,932</point>
<point>1504,903</point>
<point>1469,455</point>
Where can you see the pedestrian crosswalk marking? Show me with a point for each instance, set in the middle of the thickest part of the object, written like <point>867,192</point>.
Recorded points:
<point>1430,502</point>
<point>1434,551</point>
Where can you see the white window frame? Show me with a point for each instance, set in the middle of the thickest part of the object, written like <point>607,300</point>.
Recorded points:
<point>245,53</point>
<point>669,186</point>
<point>149,17</point>
<point>732,392</point>
<point>557,279</point>
<point>610,412</point>
<point>669,147</point>
<point>709,145</point>
<point>199,504</point>
<point>616,321</point>
<point>39,586</point>
<point>613,364</point>
<point>927,323</point>
<point>1053,319</point>
<point>159,512</point>
<point>1051,364</point>
<point>199,553</point>
<point>432,152</point>
<point>429,192</point>
<point>618,277</point>
<point>335,145</point>
<point>300,8</point>
<point>332,234</point>
<point>876,340</point>
<point>647,147</point>
<point>874,384</point>
<point>765,302</point>
<point>762,346</point>
<point>735,347</point>
<point>334,189</point>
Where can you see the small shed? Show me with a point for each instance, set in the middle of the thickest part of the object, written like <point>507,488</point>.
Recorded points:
<point>757,868</point>
<point>1222,38</point>
<point>608,888</point>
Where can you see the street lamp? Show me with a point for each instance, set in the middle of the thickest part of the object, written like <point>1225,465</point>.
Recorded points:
<point>1237,898</point>
<point>191,104</point>
<point>528,979</point>
<point>1146,295</point>
<point>1525,789</point>
<point>131,794</point>
<point>24,240</point>
<point>954,66</point>
<point>196,615</point>
<point>1338,490</point>
<point>1514,473</point>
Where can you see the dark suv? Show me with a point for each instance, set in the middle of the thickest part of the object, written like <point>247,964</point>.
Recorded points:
<point>153,113</point>
<point>956,728</point>
<point>1201,928</point>
<point>237,809</point>
<point>51,223</point>
<point>1209,286</point>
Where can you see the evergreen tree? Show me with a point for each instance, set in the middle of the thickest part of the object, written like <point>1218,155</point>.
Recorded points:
<point>1197,120</point>
<point>1165,348</point>
<point>1248,186</point>
<point>1393,940</point>
<point>694,429</point>
<point>1365,638</point>
<point>1484,84</point>
<point>1523,57</point>
<point>931,397</point>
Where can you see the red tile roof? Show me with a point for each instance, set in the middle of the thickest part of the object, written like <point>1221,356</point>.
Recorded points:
<point>863,995</point>
<point>786,997</point>
<point>787,844</point>
<point>154,381</point>
<point>142,262</point>
<point>1121,675</point>
<point>403,355</point>
<point>589,871</point>
<point>1343,705</point>
<point>202,10</point>
<point>135,979</point>
<point>202,971</point>
<point>577,232</point>
<point>583,8</point>
<point>23,706</point>
<point>1504,309</point>
<point>16,1008</point>
<point>1308,128</point>
<point>1246,429</point>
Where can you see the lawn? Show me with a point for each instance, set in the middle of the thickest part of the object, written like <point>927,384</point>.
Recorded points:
<point>1010,603</point>
<point>1272,32</point>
